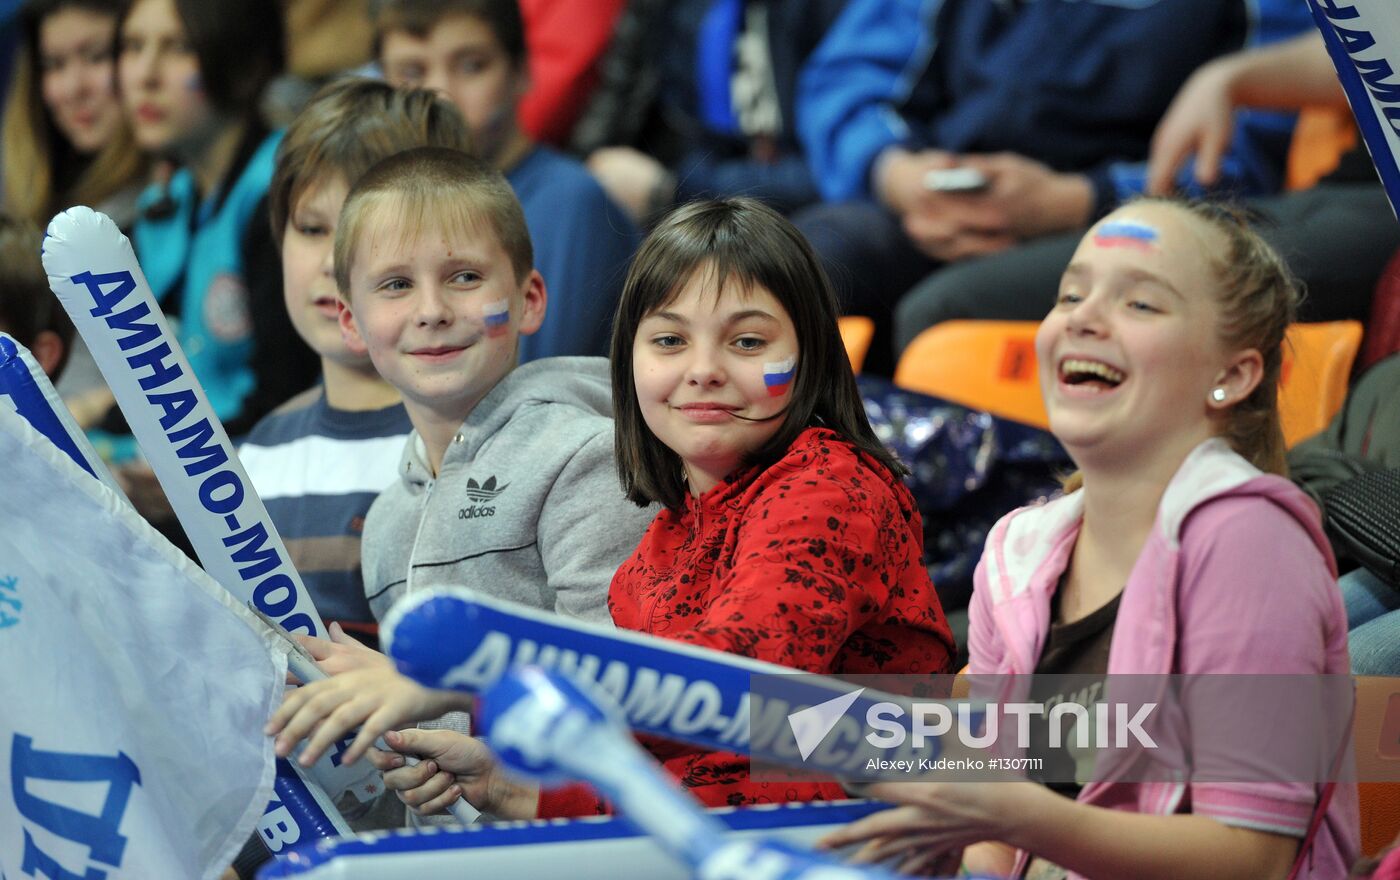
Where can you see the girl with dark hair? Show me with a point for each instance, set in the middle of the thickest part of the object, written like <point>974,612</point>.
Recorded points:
<point>192,73</point>
<point>1179,549</point>
<point>787,534</point>
<point>65,142</point>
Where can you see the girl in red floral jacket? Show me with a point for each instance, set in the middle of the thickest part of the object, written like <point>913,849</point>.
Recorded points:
<point>787,535</point>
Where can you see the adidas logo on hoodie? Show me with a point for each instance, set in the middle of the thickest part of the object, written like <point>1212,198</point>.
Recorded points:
<point>486,491</point>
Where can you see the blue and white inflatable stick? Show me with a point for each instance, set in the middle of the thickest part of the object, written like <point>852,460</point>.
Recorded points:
<point>451,638</point>
<point>544,727</point>
<point>1363,38</point>
<point>94,273</point>
<point>33,396</point>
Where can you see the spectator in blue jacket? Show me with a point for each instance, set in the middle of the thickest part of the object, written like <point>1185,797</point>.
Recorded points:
<point>1052,104</point>
<point>720,79</point>
<point>1336,235</point>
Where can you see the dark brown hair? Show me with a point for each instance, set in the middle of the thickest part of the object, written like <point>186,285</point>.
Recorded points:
<point>433,188</point>
<point>739,241</point>
<point>417,17</point>
<point>349,126</point>
<point>27,306</point>
<point>240,46</point>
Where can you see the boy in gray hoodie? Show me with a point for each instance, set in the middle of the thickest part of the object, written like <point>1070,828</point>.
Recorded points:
<point>508,482</point>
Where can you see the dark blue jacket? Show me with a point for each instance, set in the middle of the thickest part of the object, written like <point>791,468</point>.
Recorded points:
<point>1077,84</point>
<point>697,62</point>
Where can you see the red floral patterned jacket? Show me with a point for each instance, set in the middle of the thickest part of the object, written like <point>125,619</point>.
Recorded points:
<point>813,563</point>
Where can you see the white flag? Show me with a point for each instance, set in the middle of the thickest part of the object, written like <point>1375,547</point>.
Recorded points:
<point>133,691</point>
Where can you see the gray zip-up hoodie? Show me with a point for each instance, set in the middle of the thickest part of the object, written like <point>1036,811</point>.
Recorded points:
<point>526,506</point>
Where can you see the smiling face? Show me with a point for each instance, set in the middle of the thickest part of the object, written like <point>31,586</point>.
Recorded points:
<point>161,86</point>
<point>76,57</point>
<point>1130,353</point>
<point>707,367</point>
<point>461,58</point>
<point>308,271</point>
<point>439,314</point>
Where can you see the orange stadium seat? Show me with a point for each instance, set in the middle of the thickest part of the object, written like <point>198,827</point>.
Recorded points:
<point>856,333</point>
<point>991,365</point>
<point>1320,137</point>
<point>1316,365</point>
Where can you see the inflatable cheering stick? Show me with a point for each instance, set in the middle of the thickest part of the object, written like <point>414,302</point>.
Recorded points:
<point>546,728</point>
<point>450,638</point>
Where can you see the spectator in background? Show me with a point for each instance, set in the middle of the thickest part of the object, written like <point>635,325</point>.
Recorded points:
<point>726,76</point>
<point>473,52</point>
<point>65,141</point>
<point>564,40</point>
<point>1052,104</point>
<point>1362,438</point>
<point>192,73</point>
<point>319,460</point>
<point>327,37</point>
<point>29,312</point>
<point>1336,235</point>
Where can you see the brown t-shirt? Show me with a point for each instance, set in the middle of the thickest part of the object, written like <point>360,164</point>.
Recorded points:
<point>1073,666</point>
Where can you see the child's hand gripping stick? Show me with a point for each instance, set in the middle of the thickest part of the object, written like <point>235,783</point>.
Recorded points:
<point>301,664</point>
<point>544,727</point>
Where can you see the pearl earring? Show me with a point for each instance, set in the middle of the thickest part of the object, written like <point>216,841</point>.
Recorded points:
<point>1218,395</point>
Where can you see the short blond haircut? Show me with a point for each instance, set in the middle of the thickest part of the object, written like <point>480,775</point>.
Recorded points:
<point>431,188</point>
<point>349,126</point>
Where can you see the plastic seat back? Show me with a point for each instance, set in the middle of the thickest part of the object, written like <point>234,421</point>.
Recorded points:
<point>856,333</point>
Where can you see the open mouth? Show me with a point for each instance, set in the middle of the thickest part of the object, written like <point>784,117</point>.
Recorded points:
<point>1090,375</point>
<point>326,305</point>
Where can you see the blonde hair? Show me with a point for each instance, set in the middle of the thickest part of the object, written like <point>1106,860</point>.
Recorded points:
<point>43,174</point>
<point>1257,296</point>
<point>433,188</point>
<point>349,126</point>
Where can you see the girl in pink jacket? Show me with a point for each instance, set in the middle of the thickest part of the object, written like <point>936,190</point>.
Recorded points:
<point>1177,550</point>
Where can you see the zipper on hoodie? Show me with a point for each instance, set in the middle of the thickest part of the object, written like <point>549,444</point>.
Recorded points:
<point>418,534</point>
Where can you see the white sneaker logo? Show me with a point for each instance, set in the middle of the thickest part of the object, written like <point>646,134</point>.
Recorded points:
<point>811,725</point>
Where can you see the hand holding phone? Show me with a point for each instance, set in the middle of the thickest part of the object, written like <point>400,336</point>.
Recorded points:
<point>960,179</point>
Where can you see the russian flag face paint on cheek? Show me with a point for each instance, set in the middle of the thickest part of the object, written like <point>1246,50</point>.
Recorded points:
<point>1126,233</point>
<point>778,376</point>
<point>497,317</point>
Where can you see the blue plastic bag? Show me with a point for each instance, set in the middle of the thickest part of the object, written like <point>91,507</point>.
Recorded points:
<point>968,469</point>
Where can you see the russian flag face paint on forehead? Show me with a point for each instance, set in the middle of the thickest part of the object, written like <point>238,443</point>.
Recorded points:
<point>777,375</point>
<point>1126,233</point>
<point>497,317</point>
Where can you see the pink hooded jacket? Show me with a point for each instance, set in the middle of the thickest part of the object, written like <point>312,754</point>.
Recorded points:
<point>1236,577</point>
